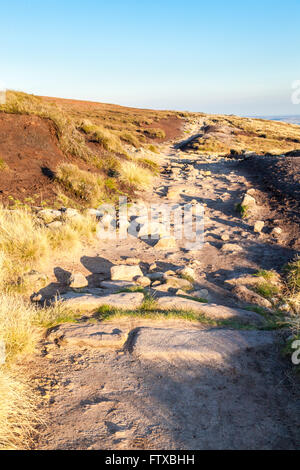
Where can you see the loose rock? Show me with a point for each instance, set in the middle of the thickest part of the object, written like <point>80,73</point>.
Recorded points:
<point>258,226</point>
<point>166,243</point>
<point>247,295</point>
<point>78,280</point>
<point>125,273</point>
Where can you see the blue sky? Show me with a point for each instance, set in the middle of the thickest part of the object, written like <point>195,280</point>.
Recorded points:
<point>226,57</point>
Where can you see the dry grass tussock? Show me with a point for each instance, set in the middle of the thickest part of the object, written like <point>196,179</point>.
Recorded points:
<point>84,185</point>
<point>18,401</point>
<point>20,331</point>
<point>26,243</point>
<point>110,141</point>
<point>18,416</point>
<point>135,176</point>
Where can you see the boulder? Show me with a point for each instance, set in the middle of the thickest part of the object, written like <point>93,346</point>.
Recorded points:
<point>143,281</point>
<point>248,201</point>
<point>186,271</point>
<point>276,231</point>
<point>166,243</point>
<point>78,280</point>
<point>70,213</point>
<point>177,283</point>
<point>225,237</point>
<point>124,272</point>
<point>248,296</point>
<point>49,215</point>
<point>258,226</point>
<point>231,248</point>
<point>251,191</point>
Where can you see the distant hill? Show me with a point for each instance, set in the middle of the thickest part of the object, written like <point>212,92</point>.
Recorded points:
<point>56,151</point>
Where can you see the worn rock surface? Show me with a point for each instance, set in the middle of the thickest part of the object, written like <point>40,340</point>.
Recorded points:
<point>203,346</point>
<point>96,336</point>
<point>90,302</point>
<point>216,312</point>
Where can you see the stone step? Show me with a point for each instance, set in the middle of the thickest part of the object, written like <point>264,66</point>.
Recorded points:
<point>90,302</point>
<point>201,345</point>
<point>213,311</point>
<point>96,336</point>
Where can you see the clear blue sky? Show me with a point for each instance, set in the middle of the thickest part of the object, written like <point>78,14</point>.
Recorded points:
<point>216,56</point>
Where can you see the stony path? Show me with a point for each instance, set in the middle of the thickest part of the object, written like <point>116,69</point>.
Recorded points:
<point>145,384</point>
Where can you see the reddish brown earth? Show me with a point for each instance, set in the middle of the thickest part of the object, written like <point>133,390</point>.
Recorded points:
<point>29,148</point>
<point>172,126</point>
<point>28,145</point>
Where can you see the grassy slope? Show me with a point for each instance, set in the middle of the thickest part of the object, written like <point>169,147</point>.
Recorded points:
<point>221,134</point>
<point>98,138</point>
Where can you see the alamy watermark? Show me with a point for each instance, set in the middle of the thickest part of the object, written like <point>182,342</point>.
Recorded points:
<point>296,92</point>
<point>296,354</point>
<point>151,222</point>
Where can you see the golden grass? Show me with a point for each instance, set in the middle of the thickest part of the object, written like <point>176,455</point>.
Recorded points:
<point>110,141</point>
<point>134,176</point>
<point>23,242</point>
<point>87,186</point>
<point>16,326</point>
<point>18,401</point>
<point>153,132</point>
<point>26,243</point>
<point>18,411</point>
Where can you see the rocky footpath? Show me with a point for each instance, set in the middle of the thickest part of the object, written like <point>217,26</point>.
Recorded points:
<point>209,376</point>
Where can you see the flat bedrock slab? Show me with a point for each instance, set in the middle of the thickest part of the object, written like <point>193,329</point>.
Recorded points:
<point>89,302</point>
<point>202,345</point>
<point>214,311</point>
<point>96,336</point>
